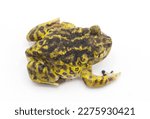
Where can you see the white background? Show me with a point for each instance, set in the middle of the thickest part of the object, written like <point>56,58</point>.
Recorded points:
<point>126,21</point>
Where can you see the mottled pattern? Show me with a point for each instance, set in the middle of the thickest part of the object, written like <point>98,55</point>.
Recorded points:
<point>63,51</point>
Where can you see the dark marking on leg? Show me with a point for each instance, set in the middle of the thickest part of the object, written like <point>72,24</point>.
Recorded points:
<point>71,71</point>
<point>40,68</point>
<point>101,82</point>
<point>60,80</point>
<point>33,65</point>
<point>106,81</point>
<point>90,77</point>
<point>84,80</point>
<point>76,69</point>
<point>110,79</point>
<point>52,75</point>
<point>96,81</point>
<point>64,73</point>
<point>34,77</point>
<point>57,70</point>
<point>45,77</point>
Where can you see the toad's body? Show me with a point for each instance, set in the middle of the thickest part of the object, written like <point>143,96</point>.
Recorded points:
<point>63,51</point>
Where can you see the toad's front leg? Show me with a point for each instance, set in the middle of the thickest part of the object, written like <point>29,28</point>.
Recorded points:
<point>94,81</point>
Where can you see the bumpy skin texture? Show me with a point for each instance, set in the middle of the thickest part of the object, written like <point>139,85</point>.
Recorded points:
<point>63,51</point>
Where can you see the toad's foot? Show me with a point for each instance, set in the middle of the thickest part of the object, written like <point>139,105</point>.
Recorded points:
<point>94,81</point>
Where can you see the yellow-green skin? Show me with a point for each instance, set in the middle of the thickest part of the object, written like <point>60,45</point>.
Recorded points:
<point>63,52</point>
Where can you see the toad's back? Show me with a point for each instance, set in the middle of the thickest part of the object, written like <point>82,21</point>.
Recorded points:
<point>68,45</point>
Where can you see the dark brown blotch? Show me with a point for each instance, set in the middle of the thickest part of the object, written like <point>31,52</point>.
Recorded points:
<point>71,71</point>
<point>110,78</point>
<point>41,29</point>
<point>76,69</point>
<point>101,82</point>
<point>64,73</point>
<point>52,75</point>
<point>51,24</point>
<point>40,68</point>
<point>96,81</point>
<point>38,37</point>
<point>31,36</point>
<point>60,80</point>
<point>57,70</point>
<point>64,67</point>
<point>106,81</point>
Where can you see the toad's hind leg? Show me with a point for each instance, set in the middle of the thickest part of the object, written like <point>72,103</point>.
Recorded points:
<point>92,80</point>
<point>41,73</point>
<point>38,32</point>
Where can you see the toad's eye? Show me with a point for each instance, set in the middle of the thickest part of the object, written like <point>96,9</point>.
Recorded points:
<point>95,30</point>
